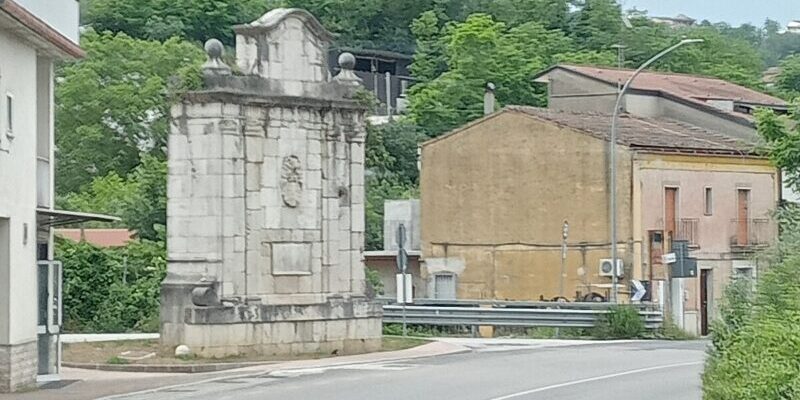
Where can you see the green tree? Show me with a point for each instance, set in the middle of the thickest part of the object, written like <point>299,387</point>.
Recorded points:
<point>597,24</point>
<point>112,290</point>
<point>782,138</point>
<point>114,105</point>
<point>478,51</point>
<point>392,173</point>
<point>139,199</point>
<point>196,20</point>
<point>789,78</point>
<point>429,59</point>
<point>756,345</point>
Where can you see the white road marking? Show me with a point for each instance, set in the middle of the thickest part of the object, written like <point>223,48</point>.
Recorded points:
<point>596,378</point>
<point>381,366</point>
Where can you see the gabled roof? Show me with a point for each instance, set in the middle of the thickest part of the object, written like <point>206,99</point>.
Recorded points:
<point>694,90</point>
<point>653,134</point>
<point>32,28</point>
<point>682,85</point>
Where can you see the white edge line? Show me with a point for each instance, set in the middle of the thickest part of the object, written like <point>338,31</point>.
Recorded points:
<point>596,378</point>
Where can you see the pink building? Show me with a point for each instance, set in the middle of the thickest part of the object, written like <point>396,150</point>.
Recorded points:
<point>721,205</point>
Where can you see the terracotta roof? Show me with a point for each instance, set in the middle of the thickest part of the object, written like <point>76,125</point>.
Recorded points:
<point>41,29</point>
<point>98,237</point>
<point>692,87</point>
<point>648,133</point>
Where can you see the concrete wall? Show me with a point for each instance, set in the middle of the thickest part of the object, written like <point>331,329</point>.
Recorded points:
<point>568,91</point>
<point>18,77</point>
<point>396,212</point>
<point>495,195</point>
<point>386,266</point>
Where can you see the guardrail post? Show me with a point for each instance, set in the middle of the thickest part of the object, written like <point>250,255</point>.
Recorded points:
<point>486,331</point>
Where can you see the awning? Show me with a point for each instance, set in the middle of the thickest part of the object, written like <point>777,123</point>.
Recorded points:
<point>48,217</point>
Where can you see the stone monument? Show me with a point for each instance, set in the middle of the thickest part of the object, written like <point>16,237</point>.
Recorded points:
<point>265,213</point>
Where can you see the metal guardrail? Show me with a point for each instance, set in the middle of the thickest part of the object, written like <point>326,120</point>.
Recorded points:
<point>537,314</point>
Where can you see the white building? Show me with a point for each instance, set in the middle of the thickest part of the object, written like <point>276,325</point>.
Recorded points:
<point>33,35</point>
<point>793,26</point>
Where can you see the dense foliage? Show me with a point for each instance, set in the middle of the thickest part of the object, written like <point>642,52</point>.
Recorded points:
<point>112,290</point>
<point>756,345</point>
<point>113,106</point>
<point>621,322</point>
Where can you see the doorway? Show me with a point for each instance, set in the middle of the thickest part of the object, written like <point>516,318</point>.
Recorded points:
<point>705,281</point>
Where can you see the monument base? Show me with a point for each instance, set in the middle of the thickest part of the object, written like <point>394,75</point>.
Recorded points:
<point>340,325</point>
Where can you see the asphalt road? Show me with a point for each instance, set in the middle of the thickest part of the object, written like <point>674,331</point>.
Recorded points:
<point>627,371</point>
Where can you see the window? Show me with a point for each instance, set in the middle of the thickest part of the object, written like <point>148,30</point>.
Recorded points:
<point>708,201</point>
<point>9,114</point>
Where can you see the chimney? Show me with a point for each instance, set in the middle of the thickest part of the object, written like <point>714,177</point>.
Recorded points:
<point>488,99</point>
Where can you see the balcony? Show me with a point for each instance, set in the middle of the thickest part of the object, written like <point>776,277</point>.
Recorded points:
<point>686,229</point>
<point>750,234</point>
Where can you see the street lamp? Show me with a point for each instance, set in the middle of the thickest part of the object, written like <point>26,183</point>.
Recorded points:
<point>613,160</point>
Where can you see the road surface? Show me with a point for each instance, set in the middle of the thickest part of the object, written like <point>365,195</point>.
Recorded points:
<point>626,371</point>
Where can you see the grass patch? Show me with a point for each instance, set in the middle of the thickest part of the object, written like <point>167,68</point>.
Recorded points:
<point>393,343</point>
<point>109,353</point>
<point>116,361</point>
<point>670,331</point>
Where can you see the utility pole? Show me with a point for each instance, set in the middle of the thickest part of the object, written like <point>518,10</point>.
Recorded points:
<point>564,234</point>
<point>613,161</point>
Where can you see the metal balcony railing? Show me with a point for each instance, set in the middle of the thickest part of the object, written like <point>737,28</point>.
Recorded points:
<point>749,233</point>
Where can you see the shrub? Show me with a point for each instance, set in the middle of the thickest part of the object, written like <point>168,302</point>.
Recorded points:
<point>670,331</point>
<point>621,322</point>
<point>374,281</point>
<point>112,289</point>
<point>757,345</point>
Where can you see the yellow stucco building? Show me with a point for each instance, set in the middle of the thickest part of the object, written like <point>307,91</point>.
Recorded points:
<point>495,195</point>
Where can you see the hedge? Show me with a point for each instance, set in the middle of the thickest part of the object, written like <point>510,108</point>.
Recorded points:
<point>108,290</point>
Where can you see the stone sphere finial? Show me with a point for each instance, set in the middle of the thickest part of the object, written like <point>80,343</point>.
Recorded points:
<point>214,49</point>
<point>347,60</point>
<point>214,66</point>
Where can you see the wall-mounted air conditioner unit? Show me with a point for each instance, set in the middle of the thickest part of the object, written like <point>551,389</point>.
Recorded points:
<point>606,268</point>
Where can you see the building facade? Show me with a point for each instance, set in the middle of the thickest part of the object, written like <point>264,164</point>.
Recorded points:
<point>705,102</point>
<point>496,194</point>
<point>383,73</point>
<point>33,35</point>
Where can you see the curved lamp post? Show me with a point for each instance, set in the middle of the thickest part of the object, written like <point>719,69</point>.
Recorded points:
<point>613,161</point>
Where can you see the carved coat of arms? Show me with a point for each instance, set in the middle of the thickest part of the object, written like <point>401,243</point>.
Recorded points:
<point>291,181</point>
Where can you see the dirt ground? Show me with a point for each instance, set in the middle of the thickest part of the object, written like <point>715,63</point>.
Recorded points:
<point>111,353</point>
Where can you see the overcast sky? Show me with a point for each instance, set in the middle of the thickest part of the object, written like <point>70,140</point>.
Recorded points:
<point>734,12</point>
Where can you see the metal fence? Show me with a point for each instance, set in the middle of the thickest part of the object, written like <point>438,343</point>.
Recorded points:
<point>502,313</point>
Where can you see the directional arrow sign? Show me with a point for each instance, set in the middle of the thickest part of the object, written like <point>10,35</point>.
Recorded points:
<point>638,289</point>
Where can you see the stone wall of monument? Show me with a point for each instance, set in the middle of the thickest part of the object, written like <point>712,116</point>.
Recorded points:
<point>265,212</point>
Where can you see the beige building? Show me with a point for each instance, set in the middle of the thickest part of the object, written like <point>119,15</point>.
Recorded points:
<point>495,195</point>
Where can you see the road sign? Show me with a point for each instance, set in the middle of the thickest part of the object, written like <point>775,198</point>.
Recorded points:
<point>638,290</point>
<point>404,288</point>
<point>402,260</point>
<point>402,255</point>
<point>669,258</point>
<point>684,266</point>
